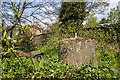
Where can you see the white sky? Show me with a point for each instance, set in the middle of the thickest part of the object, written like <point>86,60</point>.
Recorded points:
<point>113,3</point>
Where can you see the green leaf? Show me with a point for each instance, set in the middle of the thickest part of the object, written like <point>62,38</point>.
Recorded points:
<point>17,33</point>
<point>14,41</point>
<point>8,37</point>
<point>6,53</point>
<point>16,14</point>
<point>17,26</point>
<point>4,34</point>
<point>11,8</point>
<point>18,5</point>
<point>31,38</point>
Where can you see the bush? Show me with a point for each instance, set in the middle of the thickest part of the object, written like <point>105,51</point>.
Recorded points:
<point>50,67</point>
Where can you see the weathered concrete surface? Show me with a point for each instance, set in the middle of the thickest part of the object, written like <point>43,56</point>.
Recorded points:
<point>77,51</point>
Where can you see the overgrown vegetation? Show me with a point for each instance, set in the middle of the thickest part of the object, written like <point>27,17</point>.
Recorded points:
<point>107,40</point>
<point>50,67</point>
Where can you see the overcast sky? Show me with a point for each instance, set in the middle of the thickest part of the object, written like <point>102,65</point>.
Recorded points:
<point>113,3</point>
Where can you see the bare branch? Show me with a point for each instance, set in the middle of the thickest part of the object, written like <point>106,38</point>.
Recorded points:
<point>8,19</point>
<point>12,27</point>
<point>40,20</point>
<point>27,19</point>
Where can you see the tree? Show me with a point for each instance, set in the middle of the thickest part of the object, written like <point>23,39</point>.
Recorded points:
<point>103,21</point>
<point>92,21</point>
<point>19,13</point>
<point>38,11</point>
<point>114,19</point>
<point>54,27</point>
<point>72,15</point>
<point>114,15</point>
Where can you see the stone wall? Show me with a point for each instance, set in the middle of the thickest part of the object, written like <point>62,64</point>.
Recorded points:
<point>77,51</point>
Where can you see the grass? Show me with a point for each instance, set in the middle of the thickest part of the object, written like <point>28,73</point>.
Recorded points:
<point>49,66</point>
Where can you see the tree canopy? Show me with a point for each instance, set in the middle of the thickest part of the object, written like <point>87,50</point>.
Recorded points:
<point>21,13</point>
<point>92,21</point>
<point>72,15</point>
<point>103,20</point>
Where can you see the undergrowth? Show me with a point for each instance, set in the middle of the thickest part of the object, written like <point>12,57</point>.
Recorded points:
<point>50,67</point>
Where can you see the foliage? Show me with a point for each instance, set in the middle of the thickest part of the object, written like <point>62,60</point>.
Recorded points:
<point>54,27</point>
<point>51,47</point>
<point>92,21</point>
<point>50,67</point>
<point>107,43</point>
<point>103,21</point>
<point>26,43</point>
<point>24,12</point>
<point>71,16</point>
<point>114,15</point>
<point>9,44</point>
